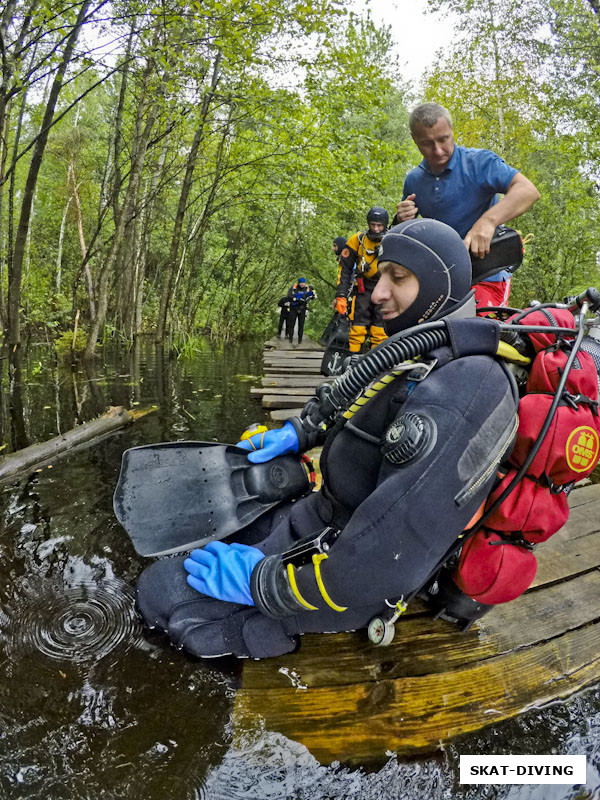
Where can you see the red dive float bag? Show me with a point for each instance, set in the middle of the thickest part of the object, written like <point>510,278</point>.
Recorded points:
<point>496,563</point>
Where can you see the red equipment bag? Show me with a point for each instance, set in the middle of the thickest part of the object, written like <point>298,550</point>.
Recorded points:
<point>491,570</point>
<point>496,564</point>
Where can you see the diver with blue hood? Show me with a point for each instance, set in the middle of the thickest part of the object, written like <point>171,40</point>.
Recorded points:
<point>412,434</point>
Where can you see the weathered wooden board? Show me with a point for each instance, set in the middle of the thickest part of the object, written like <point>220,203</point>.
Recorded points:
<point>294,381</point>
<point>298,369</point>
<point>280,414</point>
<point>280,391</point>
<point>358,722</point>
<point>297,355</point>
<point>582,495</point>
<point>282,343</point>
<point>283,401</point>
<point>300,363</point>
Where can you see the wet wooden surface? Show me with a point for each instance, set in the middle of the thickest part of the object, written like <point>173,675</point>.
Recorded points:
<point>291,374</point>
<point>348,700</point>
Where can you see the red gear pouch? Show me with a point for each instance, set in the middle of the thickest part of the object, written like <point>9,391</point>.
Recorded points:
<point>530,509</point>
<point>559,317</point>
<point>571,447</point>
<point>548,367</point>
<point>492,571</point>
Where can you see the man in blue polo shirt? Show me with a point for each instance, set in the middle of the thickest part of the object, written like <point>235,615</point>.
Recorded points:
<point>459,185</point>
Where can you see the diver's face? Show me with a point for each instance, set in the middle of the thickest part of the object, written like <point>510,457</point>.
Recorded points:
<point>376,227</point>
<point>396,290</point>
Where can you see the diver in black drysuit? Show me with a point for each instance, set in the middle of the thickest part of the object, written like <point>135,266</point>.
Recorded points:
<point>398,502</point>
<point>284,315</point>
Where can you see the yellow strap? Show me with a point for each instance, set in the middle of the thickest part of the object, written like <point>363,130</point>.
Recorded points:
<point>509,353</point>
<point>292,579</point>
<point>317,558</point>
<point>369,393</point>
<point>248,434</point>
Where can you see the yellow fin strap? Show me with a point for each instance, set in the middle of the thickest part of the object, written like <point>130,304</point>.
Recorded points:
<point>253,430</point>
<point>317,561</point>
<point>262,438</point>
<point>509,353</point>
<point>294,586</point>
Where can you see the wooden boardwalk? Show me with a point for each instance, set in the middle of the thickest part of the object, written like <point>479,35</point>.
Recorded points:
<point>350,701</point>
<point>291,375</point>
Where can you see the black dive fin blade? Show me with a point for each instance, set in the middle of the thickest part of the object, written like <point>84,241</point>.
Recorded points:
<point>176,496</point>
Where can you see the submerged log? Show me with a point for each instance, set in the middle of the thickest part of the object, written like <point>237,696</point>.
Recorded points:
<point>36,454</point>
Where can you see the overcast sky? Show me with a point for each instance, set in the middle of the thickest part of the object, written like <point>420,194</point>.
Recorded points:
<point>417,34</point>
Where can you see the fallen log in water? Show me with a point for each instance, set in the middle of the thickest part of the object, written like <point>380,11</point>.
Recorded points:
<point>29,457</point>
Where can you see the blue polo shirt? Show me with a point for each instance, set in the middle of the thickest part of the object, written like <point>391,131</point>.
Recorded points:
<point>463,191</point>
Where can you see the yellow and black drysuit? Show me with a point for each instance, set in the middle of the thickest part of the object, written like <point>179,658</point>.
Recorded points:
<point>357,278</point>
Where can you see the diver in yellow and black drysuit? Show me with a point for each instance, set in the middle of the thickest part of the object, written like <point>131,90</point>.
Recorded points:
<point>358,277</point>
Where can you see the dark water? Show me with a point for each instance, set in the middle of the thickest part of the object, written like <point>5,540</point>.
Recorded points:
<point>89,706</point>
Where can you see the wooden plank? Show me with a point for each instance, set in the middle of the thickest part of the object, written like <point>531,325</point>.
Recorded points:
<point>314,363</point>
<point>279,391</point>
<point>358,722</point>
<point>282,343</point>
<point>423,645</point>
<point>291,371</point>
<point>581,495</point>
<point>301,363</point>
<point>281,414</point>
<point>297,355</point>
<point>294,381</point>
<point>276,401</point>
<point>565,558</point>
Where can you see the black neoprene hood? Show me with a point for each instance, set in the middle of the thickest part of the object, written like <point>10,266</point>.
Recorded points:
<point>438,257</point>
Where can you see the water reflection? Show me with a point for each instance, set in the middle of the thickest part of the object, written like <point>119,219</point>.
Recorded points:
<point>92,708</point>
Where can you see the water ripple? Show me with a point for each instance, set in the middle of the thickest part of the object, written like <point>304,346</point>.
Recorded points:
<point>79,624</point>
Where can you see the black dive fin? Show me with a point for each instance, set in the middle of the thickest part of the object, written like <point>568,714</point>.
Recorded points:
<point>336,345</point>
<point>180,495</point>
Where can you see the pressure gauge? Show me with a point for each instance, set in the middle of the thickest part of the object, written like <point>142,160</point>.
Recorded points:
<point>381,631</point>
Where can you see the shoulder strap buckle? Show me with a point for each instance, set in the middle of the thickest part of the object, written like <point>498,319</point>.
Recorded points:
<point>421,370</point>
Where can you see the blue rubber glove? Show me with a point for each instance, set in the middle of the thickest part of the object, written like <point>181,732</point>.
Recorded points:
<point>223,571</point>
<point>273,443</point>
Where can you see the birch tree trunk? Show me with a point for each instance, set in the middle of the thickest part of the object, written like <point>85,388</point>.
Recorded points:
<point>148,111</point>
<point>171,267</point>
<point>15,267</point>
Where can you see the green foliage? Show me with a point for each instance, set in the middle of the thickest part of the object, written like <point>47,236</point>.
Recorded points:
<point>287,120</point>
<point>63,344</point>
<point>299,133</point>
